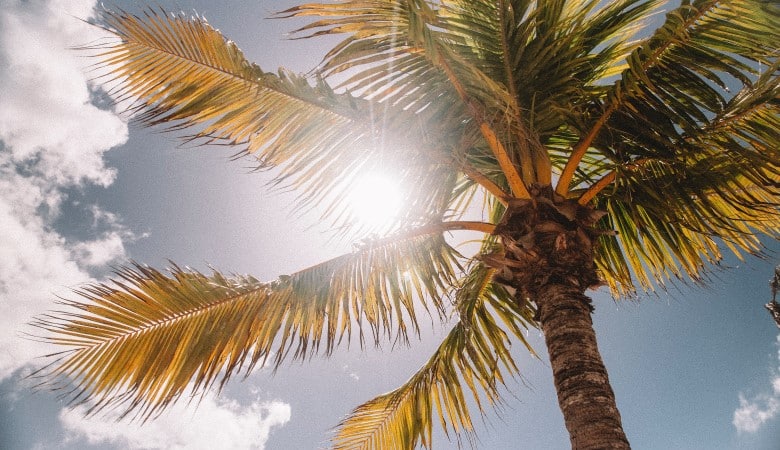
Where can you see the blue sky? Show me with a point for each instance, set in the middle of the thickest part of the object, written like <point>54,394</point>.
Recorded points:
<point>697,368</point>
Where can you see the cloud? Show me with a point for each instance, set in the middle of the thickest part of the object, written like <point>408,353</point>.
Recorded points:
<point>35,264</point>
<point>52,138</point>
<point>101,251</point>
<point>47,118</point>
<point>218,423</point>
<point>753,413</point>
<point>351,374</point>
<point>52,143</point>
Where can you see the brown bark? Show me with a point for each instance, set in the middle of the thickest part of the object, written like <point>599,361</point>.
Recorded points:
<point>584,393</point>
<point>547,257</point>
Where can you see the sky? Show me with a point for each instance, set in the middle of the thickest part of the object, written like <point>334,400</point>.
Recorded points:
<point>82,189</point>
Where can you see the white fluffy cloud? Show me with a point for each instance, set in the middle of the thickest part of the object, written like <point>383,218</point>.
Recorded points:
<point>35,264</point>
<point>217,423</point>
<point>753,413</point>
<point>51,138</point>
<point>47,119</point>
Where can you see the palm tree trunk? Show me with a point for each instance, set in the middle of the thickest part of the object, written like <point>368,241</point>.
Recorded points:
<point>547,257</point>
<point>584,393</point>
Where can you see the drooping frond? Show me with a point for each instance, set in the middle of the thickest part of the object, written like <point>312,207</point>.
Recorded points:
<point>180,72</point>
<point>376,285</point>
<point>473,358</point>
<point>137,342</point>
<point>671,215</point>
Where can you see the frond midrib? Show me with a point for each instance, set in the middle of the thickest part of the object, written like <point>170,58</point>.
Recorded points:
<point>506,53</point>
<point>726,121</point>
<point>229,74</point>
<point>178,316</point>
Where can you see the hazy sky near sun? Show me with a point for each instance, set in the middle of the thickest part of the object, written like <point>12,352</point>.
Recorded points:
<point>80,190</point>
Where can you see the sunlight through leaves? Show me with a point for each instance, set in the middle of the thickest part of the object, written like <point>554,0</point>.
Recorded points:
<point>375,201</point>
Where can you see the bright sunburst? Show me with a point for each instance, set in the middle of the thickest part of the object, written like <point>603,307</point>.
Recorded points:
<point>375,200</point>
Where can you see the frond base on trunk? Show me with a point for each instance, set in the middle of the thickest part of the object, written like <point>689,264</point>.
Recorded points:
<point>546,239</point>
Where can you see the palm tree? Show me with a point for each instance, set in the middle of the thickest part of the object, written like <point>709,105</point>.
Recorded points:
<point>600,148</point>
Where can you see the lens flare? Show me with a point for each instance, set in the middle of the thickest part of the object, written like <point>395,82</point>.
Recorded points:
<point>375,200</point>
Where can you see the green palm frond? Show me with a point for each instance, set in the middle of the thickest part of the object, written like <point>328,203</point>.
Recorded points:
<point>678,80</point>
<point>551,56</point>
<point>671,216</point>
<point>138,342</point>
<point>681,163</point>
<point>474,357</point>
<point>671,213</point>
<point>180,72</point>
<point>517,64</point>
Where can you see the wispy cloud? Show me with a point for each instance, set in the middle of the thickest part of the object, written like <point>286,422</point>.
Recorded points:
<point>754,412</point>
<point>351,373</point>
<point>52,138</point>
<point>218,423</point>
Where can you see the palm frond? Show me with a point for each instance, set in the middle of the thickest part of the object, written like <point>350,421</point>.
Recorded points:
<point>677,80</point>
<point>671,214</point>
<point>138,342</point>
<point>387,41</point>
<point>474,357</point>
<point>510,67</point>
<point>679,162</point>
<point>181,73</point>
<point>552,56</point>
<point>398,52</point>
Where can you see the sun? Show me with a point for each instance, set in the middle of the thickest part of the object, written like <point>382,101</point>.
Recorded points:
<point>375,200</point>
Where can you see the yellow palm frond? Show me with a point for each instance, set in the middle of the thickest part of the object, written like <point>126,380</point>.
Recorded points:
<point>474,357</point>
<point>180,72</point>
<point>138,342</point>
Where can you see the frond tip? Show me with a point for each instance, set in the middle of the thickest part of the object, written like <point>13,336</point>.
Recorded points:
<point>136,344</point>
<point>474,358</point>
